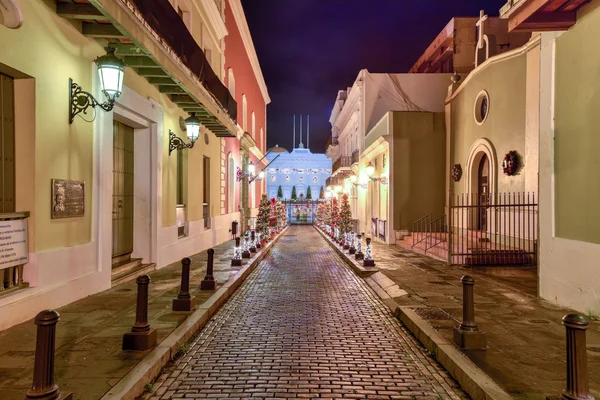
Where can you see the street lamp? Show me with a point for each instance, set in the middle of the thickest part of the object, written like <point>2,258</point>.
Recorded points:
<point>370,170</point>
<point>353,178</point>
<point>192,127</point>
<point>111,70</point>
<point>251,168</point>
<point>338,189</point>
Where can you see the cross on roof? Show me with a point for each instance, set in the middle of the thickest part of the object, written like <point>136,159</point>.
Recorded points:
<point>480,25</point>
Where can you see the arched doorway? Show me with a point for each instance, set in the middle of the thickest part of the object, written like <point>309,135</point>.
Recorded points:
<point>483,174</point>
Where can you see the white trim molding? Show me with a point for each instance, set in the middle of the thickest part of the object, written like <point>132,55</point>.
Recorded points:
<point>481,145</point>
<point>242,24</point>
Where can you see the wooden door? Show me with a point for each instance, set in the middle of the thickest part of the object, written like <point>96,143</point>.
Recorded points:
<point>122,212</point>
<point>7,144</point>
<point>483,192</point>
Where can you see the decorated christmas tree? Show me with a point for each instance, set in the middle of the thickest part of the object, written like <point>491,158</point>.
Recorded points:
<point>345,216</point>
<point>294,197</point>
<point>262,219</point>
<point>335,213</point>
<point>281,215</point>
<point>308,194</point>
<point>273,215</point>
<point>322,193</point>
<point>279,192</point>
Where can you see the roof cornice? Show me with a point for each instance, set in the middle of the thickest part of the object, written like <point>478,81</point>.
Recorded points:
<point>215,18</point>
<point>242,24</point>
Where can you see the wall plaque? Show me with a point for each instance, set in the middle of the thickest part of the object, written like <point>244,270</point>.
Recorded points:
<point>68,199</point>
<point>13,243</point>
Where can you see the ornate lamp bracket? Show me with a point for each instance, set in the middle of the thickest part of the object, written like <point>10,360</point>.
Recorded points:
<point>80,101</point>
<point>176,143</point>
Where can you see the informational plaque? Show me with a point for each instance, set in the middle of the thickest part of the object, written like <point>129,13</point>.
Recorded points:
<point>68,198</point>
<point>13,243</point>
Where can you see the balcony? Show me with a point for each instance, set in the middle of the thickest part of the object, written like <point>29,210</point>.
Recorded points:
<point>342,162</point>
<point>153,40</point>
<point>355,157</point>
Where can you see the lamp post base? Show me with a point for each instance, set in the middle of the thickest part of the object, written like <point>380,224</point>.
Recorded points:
<point>139,340</point>
<point>469,339</point>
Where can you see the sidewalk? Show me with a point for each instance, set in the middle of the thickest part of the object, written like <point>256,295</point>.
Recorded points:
<point>89,360</point>
<point>526,345</point>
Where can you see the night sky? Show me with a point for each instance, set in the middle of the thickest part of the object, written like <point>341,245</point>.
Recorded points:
<point>310,49</point>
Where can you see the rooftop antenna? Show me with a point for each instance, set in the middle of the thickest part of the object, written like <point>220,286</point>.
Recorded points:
<point>300,145</point>
<point>308,132</point>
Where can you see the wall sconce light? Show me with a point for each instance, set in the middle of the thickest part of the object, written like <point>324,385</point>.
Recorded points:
<point>370,170</point>
<point>111,70</point>
<point>192,127</point>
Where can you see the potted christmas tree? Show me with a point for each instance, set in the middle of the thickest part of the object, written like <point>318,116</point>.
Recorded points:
<point>334,218</point>
<point>279,193</point>
<point>308,194</point>
<point>262,219</point>
<point>322,194</point>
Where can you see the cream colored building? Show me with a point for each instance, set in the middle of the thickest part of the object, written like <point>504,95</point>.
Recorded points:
<point>569,62</point>
<point>358,110</point>
<point>133,183</point>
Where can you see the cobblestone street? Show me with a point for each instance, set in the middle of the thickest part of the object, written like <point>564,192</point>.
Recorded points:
<point>303,326</point>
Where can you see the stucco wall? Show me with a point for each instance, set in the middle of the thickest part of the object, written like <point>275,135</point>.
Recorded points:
<point>505,83</point>
<point>568,269</point>
<point>237,58</point>
<point>418,166</point>
<point>576,131</point>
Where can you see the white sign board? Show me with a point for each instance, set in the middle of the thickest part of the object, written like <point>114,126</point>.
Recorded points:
<point>13,243</point>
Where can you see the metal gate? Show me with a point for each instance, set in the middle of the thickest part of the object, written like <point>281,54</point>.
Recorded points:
<point>301,212</point>
<point>493,229</point>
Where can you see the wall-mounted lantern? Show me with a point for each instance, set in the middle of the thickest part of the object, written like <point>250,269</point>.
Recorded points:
<point>192,128</point>
<point>370,170</point>
<point>111,70</point>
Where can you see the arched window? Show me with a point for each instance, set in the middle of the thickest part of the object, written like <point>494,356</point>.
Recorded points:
<point>230,183</point>
<point>244,113</point>
<point>231,82</point>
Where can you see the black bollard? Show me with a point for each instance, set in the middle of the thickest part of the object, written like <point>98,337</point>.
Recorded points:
<point>252,242</point>
<point>209,283</point>
<point>43,370</point>
<point>141,337</point>
<point>468,335</point>
<point>184,301</point>
<point>577,374</point>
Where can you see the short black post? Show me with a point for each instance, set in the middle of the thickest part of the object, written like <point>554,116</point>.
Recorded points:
<point>359,254</point>
<point>577,373</point>
<point>141,337</point>
<point>43,369</point>
<point>184,301</point>
<point>209,283</point>
<point>346,240</point>
<point>252,242</point>
<point>236,261</point>
<point>234,227</point>
<point>468,335</point>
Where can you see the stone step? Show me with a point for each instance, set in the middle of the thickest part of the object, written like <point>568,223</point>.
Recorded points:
<point>120,259</point>
<point>125,265</point>
<point>131,274</point>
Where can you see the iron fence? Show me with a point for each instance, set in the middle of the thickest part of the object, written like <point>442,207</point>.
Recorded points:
<point>493,229</point>
<point>301,212</point>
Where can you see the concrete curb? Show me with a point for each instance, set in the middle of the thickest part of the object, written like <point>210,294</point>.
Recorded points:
<point>133,383</point>
<point>355,265</point>
<point>472,380</point>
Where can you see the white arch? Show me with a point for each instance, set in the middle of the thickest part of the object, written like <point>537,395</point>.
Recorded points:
<point>478,148</point>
